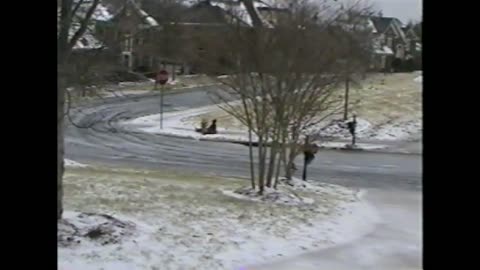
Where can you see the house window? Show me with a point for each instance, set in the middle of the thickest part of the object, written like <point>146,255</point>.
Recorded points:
<point>128,43</point>
<point>389,42</point>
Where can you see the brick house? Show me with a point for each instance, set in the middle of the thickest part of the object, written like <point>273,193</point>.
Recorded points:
<point>414,46</point>
<point>395,43</point>
<point>125,30</point>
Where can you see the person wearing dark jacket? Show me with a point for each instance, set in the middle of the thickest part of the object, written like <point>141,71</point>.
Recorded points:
<point>212,129</point>
<point>352,127</point>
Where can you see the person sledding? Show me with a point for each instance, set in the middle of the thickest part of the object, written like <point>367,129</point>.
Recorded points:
<point>212,129</point>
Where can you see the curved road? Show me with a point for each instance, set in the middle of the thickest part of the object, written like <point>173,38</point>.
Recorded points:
<point>393,180</point>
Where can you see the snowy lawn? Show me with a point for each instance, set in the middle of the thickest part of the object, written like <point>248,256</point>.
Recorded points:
<point>178,123</point>
<point>168,221</point>
<point>73,164</point>
<point>390,108</point>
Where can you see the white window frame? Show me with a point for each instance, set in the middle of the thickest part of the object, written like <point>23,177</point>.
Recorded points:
<point>128,43</point>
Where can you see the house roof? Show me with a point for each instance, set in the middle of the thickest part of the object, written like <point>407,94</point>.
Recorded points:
<point>221,11</point>
<point>204,12</point>
<point>382,23</point>
<point>88,39</point>
<point>146,18</point>
<point>87,42</point>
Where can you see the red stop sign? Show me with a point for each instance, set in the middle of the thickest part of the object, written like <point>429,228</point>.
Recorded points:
<point>162,77</point>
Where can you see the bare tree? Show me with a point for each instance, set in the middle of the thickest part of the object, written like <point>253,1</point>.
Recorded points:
<point>353,28</point>
<point>284,79</point>
<point>68,9</point>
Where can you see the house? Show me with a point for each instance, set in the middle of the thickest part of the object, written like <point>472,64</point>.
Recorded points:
<point>394,43</point>
<point>414,46</point>
<point>207,20</point>
<point>125,27</point>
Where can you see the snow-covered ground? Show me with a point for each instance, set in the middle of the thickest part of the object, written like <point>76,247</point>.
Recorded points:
<point>179,123</point>
<point>73,164</point>
<point>390,110</point>
<point>418,79</point>
<point>192,224</point>
<point>389,131</point>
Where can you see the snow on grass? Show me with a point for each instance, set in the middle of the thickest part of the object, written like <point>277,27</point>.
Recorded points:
<point>400,130</point>
<point>338,129</point>
<point>270,195</point>
<point>178,124</point>
<point>390,110</point>
<point>418,79</point>
<point>189,223</point>
<point>73,164</point>
<point>389,131</point>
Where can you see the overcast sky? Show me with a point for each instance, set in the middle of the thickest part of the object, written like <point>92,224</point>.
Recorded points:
<point>402,9</point>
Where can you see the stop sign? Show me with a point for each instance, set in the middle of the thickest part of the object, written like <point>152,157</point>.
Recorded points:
<point>162,77</point>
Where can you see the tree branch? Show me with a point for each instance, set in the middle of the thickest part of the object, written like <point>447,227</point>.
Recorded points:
<point>83,24</point>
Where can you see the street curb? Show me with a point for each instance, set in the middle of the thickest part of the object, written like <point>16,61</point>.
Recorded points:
<point>385,150</point>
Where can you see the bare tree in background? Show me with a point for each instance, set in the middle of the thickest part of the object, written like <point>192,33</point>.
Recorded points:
<point>353,28</point>
<point>284,77</point>
<point>169,41</point>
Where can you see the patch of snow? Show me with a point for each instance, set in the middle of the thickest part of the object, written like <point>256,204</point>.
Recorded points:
<point>387,50</point>
<point>101,13</point>
<point>87,40</point>
<point>391,131</point>
<point>418,79</point>
<point>176,124</point>
<point>270,195</point>
<point>151,21</point>
<point>73,164</point>
<point>173,82</point>
<point>361,146</point>
<point>191,235</point>
<point>238,11</point>
<point>418,46</point>
<point>397,131</point>
<point>338,128</point>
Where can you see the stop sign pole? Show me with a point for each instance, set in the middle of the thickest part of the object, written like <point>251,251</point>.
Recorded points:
<point>162,78</point>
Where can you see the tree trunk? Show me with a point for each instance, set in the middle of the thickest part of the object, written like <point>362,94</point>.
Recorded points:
<point>261,165</point>
<point>347,90</point>
<point>304,175</point>
<point>271,165</point>
<point>60,147</point>
<point>273,156</point>
<point>250,152</point>
<point>277,172</point>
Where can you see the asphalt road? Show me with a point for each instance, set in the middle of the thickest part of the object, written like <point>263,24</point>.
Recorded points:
<point>386,176</point>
